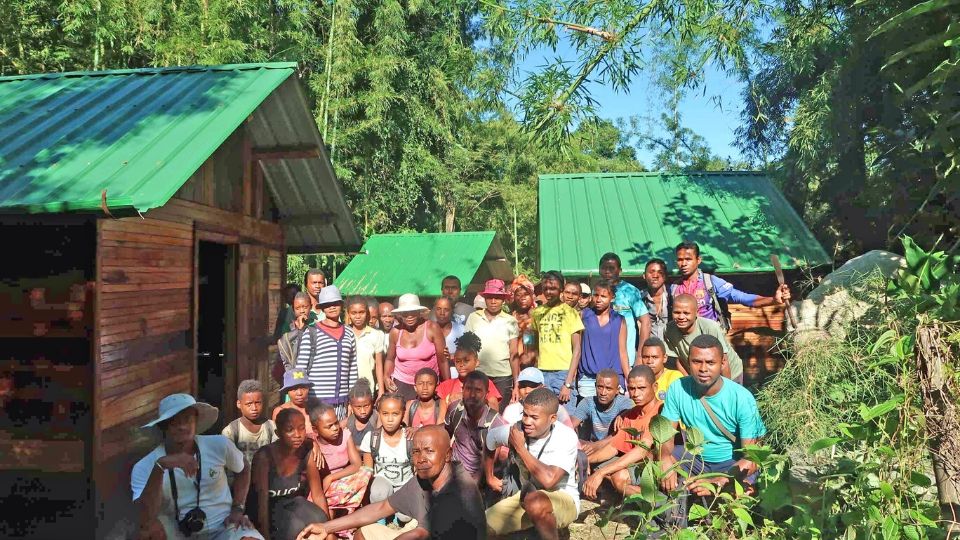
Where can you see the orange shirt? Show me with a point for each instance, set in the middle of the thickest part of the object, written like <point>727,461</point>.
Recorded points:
<point>453,386</point>
<point>635,419</point>
<point>290,405</point>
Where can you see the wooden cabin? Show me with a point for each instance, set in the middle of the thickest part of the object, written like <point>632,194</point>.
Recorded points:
<point>146,216</point>
<point>738,219</point>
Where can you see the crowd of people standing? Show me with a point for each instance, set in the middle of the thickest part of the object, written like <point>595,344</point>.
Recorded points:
<point>399,420</point>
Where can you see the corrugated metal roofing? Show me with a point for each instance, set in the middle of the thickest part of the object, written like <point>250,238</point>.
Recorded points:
<point>139,135</point>
<point>394,264</point>
<point>738,219</point>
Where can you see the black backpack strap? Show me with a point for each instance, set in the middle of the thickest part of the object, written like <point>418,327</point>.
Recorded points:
<point>436,410</point>
<point>455,421</point>
<point>719,307</point>
<point>375,436</point>
<point>413,410</point>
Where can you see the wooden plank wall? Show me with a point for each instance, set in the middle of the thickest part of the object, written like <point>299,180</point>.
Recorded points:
<point>145,325</point>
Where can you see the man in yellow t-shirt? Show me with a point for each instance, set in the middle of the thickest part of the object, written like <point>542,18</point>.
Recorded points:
<point>559,329</point>
<point>653,354</point>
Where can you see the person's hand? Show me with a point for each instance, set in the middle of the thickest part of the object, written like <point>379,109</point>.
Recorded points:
<point>495,484</point>
<point>515,394</point>
<point>701,486</point>
<point>317,456</point>
<point>564,394</point>
<point>390,384</point>
<point>669,480</point>
<point>185,462</point>
<point>300,322</point>
<point>237,520</point>
<point>589,448</point>
<point>592,484</point>
<point>313,531</point>
<point>782,296</point>
<point>517,438</point>
<point>618,423</point>
<point>446,354</point>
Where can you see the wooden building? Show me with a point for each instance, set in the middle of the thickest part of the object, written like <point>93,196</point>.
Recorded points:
<point>738,219</point>
<point>146,215</point>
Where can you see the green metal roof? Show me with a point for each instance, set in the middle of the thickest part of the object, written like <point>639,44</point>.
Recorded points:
<point>738,219</point>
<point>393,264</point>
<point>138,134</point>
<point>133,137</point>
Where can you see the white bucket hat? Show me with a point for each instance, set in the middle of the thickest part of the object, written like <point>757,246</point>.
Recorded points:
<point>174,403</point>
<point>407,303</point>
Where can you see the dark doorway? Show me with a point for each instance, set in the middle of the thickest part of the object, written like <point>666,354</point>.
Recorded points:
<point>216,326</point>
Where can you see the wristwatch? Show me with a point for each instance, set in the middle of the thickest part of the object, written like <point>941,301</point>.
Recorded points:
<point>568,385</point>
<point>239,507</point>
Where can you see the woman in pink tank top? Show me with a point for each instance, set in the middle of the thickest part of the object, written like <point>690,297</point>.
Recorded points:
<point>416,343</point>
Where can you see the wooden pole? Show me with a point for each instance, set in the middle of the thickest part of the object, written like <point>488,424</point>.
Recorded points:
<point>942,410</point>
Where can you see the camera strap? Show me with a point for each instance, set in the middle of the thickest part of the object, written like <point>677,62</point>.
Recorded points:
<point>173,484</point>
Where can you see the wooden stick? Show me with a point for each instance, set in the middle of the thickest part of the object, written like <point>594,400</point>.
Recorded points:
<point>778,270</point>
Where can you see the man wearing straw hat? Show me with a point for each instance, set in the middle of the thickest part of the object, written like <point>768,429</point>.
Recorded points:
<point>181,486</point>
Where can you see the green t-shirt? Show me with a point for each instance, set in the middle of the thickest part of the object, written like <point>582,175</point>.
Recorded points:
<point>678,344</point>
<point>555,327</point>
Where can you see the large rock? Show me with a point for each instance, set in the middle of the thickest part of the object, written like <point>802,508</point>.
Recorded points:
<point>846,294</point>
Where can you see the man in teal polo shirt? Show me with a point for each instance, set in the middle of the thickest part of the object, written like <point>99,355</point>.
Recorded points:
<point>627,301</point>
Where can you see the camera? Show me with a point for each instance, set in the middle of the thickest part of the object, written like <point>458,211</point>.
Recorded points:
<point>193,522</point>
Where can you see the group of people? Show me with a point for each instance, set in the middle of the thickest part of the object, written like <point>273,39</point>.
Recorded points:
<point>402,421</point>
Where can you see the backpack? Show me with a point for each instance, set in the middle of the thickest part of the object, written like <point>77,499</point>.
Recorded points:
<point>436,410</point>
<point>484,424</point>
<point>719,305</point>
<point>375,437</point>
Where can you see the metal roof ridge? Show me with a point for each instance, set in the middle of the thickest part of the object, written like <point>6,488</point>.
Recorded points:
<point>152,71</point>
<point>433,233</point>
<point>651,174</point>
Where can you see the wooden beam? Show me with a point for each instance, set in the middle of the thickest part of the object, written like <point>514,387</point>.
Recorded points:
<point>319,219</point>
<point>286,152</point>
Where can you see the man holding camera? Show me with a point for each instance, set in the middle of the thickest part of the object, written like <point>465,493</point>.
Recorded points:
<point>181,487</point>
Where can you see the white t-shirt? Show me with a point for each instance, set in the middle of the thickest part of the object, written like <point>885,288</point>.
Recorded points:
<point>369,343</point>
<point>217,456</point>
<point>559,450</point>
<point>247,441</point>
<point>392,462</point>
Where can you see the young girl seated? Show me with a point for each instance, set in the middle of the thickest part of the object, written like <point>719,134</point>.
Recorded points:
<point>386,450</point>
<point>427,409</point>
<point>345,480</point>
<point>277,499</point>
<point>362,417</point>
<point>467,358</point>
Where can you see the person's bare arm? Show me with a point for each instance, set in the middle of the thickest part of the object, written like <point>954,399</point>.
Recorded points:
<point>436,336</point>
<point>601,452</point>
<point>644,325</point>
<point>624,358</point>
<point>492,481</point>
<point>363,516</point>
<point>367,460</point>
<point>574,366</point>
<point>389,362</point>
<point>669,481</point>
<point>378,369</point>
<point>514,369</point>
<point>261,482</point>
<point>547,476</point>
<point>315,482</point>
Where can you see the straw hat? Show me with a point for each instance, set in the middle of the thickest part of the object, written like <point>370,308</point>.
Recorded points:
<point>408,303</point>
<point>173,404</point>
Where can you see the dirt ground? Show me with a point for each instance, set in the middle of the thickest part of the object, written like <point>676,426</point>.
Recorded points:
<point>585,527</point>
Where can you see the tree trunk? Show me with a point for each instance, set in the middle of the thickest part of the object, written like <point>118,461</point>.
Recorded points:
<point>942,411</point>
<point>450,215</point>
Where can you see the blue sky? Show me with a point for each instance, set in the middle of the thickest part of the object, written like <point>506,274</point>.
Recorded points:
<point>712,111</point>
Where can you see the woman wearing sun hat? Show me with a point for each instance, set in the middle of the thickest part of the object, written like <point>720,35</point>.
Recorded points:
<point>181,486</point>
<point>415,343</point>
<point>499,333</point>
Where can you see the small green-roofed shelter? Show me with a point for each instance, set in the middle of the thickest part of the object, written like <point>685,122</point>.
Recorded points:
<point>389,265</point>
<point>738,218</point>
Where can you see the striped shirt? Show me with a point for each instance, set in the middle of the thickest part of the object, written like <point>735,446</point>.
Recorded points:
<point>333,370</point>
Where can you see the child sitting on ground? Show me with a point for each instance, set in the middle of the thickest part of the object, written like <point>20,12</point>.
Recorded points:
<point>252,430</point>
<point>427,409</point>
<point>362,417</point>
<point>296,387</point>
<point>466,359</point>
<point>344,478</point>
<point>282,476</point>
<point>386,450</point>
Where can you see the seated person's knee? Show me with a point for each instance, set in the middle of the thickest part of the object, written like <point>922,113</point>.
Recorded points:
<point>620,479</point>
<point>537,505</point>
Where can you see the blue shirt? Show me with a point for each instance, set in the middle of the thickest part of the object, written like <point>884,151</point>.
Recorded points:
<point>734,405</point>
<point>600,347</point>
<point>628,301</point>
<point>600,421</point>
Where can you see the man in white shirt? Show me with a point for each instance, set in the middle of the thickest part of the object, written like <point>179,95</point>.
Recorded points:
<point>181,486</point>
<point>546,453</point>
